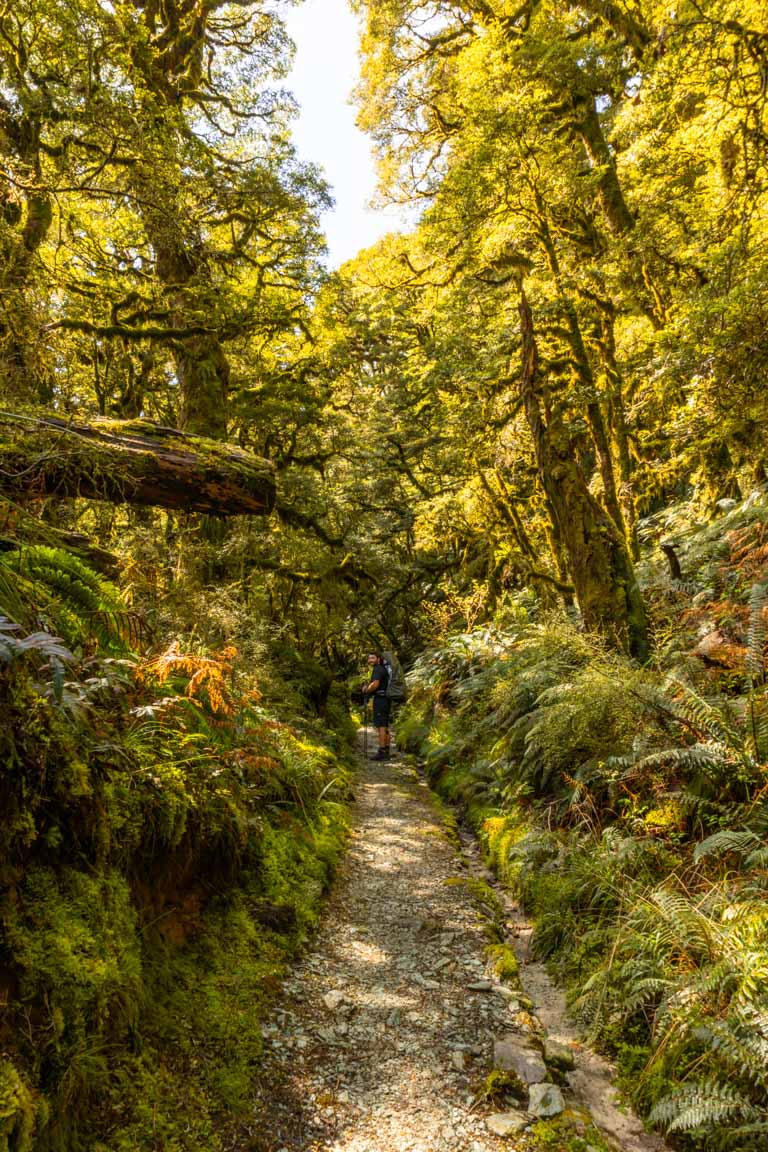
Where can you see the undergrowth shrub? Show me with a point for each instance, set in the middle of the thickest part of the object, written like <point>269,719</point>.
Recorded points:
<point>576,725</point>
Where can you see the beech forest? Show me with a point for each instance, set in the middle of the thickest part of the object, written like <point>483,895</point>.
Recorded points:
<point>522,443</point>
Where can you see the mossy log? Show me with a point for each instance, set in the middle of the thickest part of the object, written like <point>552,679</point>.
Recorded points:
<point>133,462</point>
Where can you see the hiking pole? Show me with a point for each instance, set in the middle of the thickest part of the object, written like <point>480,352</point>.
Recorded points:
<point>365,725</point>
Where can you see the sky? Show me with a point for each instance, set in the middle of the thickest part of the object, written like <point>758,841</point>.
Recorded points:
<point>325,71</point>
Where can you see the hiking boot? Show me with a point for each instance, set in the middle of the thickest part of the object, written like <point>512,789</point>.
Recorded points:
<point>382,754</point>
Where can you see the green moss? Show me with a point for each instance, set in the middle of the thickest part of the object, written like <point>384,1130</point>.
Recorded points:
<point>570,1132</point>
<point>499,835</point>
<point>17,1111</point>
<point>504,962</point>
<point>145,831</point>
<point>296,860</point>
<point>139,970</point>
<point>487,902</point>
<point>207,974</point>
<point>73,939</point>
<point>498,1087</point>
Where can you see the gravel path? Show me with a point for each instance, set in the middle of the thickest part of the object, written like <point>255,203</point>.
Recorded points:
<point>380,1042</point>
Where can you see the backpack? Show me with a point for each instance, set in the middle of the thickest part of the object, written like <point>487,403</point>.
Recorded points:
<point>396,687</point>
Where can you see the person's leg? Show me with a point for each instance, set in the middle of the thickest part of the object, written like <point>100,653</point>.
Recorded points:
<point>381,723</point>
<point>384,730</point>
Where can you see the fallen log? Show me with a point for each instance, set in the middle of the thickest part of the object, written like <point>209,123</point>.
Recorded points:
<point>131,462</point>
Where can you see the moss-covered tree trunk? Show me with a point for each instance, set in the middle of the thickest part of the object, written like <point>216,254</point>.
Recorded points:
<point>202,368</point>
<point>584,375</point>
<point>25,220</point>
<point>183,261</point>
<point>617,421</point>
<point>598,558</point>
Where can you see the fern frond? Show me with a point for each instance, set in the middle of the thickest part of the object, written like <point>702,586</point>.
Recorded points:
<point>713,981</point>
<point>704,717</point>
<point>749,916</point>
<point>683,925</point>
<point>746,1052</point>
<point>702,1105</point>
<point>752,977</point>
<point>756,718</point>
<point>644,992</point>
<point>756,633</point>
<point>207,676</point>
<point>726,841</point>
<point>78,602</point>
<point>694,756</point>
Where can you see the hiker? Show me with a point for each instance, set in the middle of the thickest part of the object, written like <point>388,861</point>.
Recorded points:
<point>377,688</point>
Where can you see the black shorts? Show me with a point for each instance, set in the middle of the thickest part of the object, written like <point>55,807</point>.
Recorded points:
<point>381,709</point>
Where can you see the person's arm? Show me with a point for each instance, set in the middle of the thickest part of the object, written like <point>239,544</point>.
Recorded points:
<point>372,687</point>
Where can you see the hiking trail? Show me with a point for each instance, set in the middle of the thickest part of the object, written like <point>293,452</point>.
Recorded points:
<point>389,1025</point>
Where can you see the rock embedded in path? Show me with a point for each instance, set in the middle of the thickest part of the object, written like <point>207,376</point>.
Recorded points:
<point>545,1100</point>
<point>512,1055</point>
<point>333,1000</point>
<point>559,1055</point>
<point>506,1123</point>
<point>429,985</point>
<point>507,994</point>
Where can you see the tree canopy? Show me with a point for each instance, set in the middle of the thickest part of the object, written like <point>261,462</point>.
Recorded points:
<point>572,332</point>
